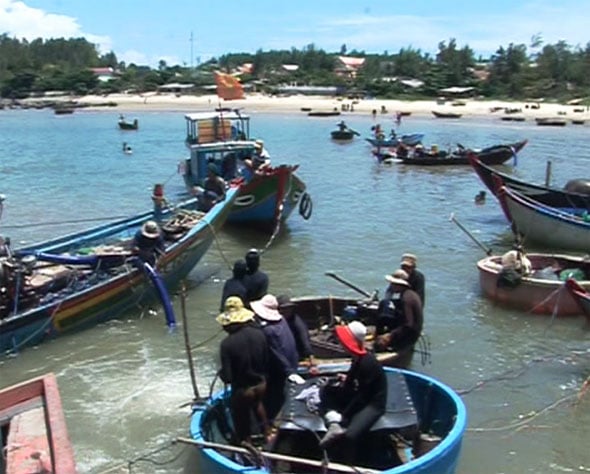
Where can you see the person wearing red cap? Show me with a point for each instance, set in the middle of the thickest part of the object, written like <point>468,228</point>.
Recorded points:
<point>355,405</point>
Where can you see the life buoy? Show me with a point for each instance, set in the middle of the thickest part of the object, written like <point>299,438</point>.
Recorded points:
<point>305,206</point>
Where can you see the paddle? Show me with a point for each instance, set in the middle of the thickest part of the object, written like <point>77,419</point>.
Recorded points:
<point>487,250</point>
<point>349,284</point>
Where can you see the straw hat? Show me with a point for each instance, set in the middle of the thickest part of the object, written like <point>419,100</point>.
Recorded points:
<point>352,337</point>
<point>267,308</point>
<point>258,144</point>
<point>409,259</point>
<point>399,277</point>
<point>234,312</point>
<point>150,229</point>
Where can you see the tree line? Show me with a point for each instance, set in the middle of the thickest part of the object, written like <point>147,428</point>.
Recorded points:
<point>517,71</point>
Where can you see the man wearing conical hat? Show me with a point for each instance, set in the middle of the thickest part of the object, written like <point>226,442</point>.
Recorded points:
<point>244,358</point>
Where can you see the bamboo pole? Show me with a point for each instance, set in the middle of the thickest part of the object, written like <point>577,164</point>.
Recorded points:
<point>187,344</point>
<point>331,466</point>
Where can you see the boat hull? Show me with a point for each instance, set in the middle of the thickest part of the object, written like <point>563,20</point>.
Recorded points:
<point>436,405</point>
<point>581,295</point>
<point>534,294</point>
<point>112,295</point>
<point>553,227</point>
<point>410,140</point>
<point>31,416</point>
<point>548,196</point>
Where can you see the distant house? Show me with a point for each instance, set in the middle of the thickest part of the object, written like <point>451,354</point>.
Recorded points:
<point>349,66</point>
<point>175,88</point>
<point>104,74</point>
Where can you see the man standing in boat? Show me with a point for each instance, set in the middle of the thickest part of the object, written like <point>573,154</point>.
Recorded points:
<point>416,279</point>
<point>244,358</point>
<point>400,315</point>
<point>213,190</point>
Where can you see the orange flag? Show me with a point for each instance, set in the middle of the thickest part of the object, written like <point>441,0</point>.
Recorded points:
<point>228,87</point>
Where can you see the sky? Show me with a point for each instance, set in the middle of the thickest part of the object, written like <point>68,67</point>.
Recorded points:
<point>188,32</point>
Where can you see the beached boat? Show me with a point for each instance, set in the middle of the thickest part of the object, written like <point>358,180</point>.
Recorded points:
<point>323,113</point>
<point>493,155</point>
<point>84,278</point>
<point>410,139</point>
<point>543,291</point>
<point>267,197</point>
<point>421,432</point>
<point>125,125</point>
<point>513,118</point>
<point>548,196</point>
<point>549,226</point>
<point>581,295</point>
<point>551,121</point>
<point>320,313</point>
<point>448,115</point>
<point>63,110</point>
<point>34,432</point>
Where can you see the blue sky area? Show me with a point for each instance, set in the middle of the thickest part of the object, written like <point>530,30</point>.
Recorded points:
<point>146,31</point>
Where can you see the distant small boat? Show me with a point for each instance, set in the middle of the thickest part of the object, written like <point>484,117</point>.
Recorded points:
<point>124,125</point>
<point>323,113</point>
<point>449,115</point>
<point>578,121</point>
<point>551,122</point>
<point>513,118</point>
<point>63,110</point>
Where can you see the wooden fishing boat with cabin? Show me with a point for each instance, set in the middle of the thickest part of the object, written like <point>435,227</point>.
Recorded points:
<point>81,279</point>
<point>34,432</point>
<point>267,197</point>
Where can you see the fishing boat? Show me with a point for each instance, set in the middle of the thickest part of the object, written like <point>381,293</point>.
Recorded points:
<point>548,196</point>
<point>125,125</point>
<point>267,197</point>
<point>63,110</point>
<point>581,295</point>
<point>493,155</point>
<point>84,278</point>
<point>551,121</point>
<point>543,290</point>
<point>447,115</point>
<point>343,132</point>
<point>34,432</point>
<point>323,113</point>
<point>549,226</point>
<point>420,432</point>
<point>321,313</point>
<point>411,139</point>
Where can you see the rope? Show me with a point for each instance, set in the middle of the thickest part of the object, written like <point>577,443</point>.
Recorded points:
<point>217,244</point>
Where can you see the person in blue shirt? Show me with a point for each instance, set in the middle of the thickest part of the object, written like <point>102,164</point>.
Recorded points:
<point>283,351</point>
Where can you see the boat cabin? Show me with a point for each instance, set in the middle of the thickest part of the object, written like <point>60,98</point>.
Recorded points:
<point>210,127</point>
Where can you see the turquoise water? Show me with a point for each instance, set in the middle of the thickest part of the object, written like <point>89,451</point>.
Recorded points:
<point>123,384</point>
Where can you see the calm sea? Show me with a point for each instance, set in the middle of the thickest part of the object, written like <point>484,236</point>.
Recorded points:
<point>125,384</point>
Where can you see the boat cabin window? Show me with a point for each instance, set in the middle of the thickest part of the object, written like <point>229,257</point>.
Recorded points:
<point>216,129</point>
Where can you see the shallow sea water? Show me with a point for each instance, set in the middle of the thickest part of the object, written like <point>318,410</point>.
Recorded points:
<point>124,384</point>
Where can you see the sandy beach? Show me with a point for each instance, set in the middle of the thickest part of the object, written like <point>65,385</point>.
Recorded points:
<point>129,103</point>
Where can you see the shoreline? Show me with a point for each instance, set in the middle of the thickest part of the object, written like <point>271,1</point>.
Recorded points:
<point>151,102</point>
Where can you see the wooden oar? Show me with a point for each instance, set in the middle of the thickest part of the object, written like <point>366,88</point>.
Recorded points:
<point>349,284</point>
<point>331,466</point>
<point>487,250</point>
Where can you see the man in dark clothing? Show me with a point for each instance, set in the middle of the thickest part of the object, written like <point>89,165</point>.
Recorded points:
<point>256,281</point>
<point>299,330</point>
<point>415,277</point>
<point>283,351</point>
<point>213,189</point>
<point>400,316</point>
<point>244,364</point>
<point>359,401</point>
<point>148,242</point>
<point>234,286</point>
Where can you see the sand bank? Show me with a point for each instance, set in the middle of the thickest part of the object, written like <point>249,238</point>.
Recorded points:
<point>263,103</point>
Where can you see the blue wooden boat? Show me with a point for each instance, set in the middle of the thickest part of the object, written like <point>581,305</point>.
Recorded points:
<point>411,139</point>
<point>548,196</point>
<point>418,407</point>
<point>267,198</point>
<point>564,228</point>
<point>84,278</point>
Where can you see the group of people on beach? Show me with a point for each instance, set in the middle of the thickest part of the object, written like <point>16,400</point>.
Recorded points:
<point>267,341</point>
